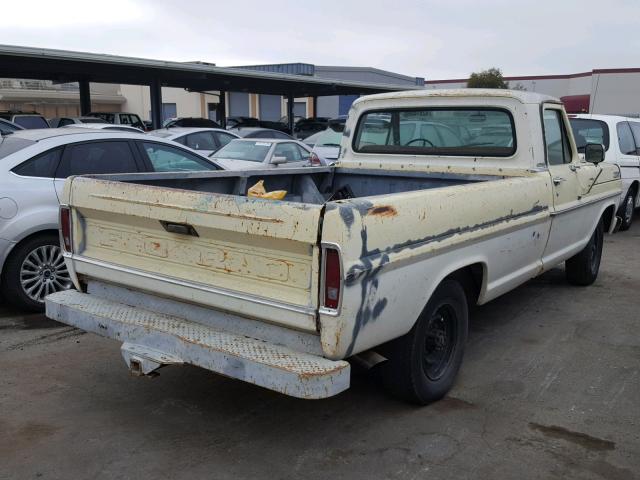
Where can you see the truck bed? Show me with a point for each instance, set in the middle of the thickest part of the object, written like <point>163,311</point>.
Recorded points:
<point>305,185</point>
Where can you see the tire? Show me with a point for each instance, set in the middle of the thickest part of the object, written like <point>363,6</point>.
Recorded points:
<point>422,365</point>
<point>582,269</point>
<point>626,210</point>
<point>34,269</point>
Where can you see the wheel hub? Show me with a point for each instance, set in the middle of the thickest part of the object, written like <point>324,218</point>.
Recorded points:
<point>439,342</point>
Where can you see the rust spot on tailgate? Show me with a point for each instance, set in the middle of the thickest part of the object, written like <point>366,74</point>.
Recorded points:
<point>383,211</point>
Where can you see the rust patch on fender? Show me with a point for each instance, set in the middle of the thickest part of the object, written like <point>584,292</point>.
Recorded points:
<point>383,211</point>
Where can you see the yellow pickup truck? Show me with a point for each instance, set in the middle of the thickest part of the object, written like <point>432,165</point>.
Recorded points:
<point>439,200</point>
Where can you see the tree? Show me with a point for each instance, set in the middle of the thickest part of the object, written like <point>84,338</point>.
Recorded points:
<point>491,78</point>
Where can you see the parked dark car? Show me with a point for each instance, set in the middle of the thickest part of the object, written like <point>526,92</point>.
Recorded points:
<point>275,125</point>
<point>241,122</point>
<point>257,132</point>
<point>7,127</point>
<point>251,122</point>
<point>191,122</point>
<point>25,119</point>
<point>308,126</point>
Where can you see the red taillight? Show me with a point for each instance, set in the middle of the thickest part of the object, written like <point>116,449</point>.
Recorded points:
<point>315,160</point>
<point>332,278</point>
<point>65,228</point>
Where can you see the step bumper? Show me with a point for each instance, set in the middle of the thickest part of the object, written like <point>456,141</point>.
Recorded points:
<point>152,339</point>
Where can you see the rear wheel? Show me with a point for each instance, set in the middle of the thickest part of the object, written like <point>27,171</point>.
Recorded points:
<point>626,210</point>
<point>422,365</point>
<point>35,269</point>
<point>582,269</point>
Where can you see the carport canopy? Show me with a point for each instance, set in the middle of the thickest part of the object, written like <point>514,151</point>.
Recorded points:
<point>82,67</point>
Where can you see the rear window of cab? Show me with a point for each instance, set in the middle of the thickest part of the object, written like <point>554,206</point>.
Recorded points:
<point>478,132</point>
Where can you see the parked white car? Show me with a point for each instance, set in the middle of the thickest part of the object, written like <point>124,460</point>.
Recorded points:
<point>119,118</point>
<point>249,154</point>
<point>204,140</point>
<point>621,139</point>
<point>33,167</point>
<point>105,126</point>
<point>325,145</point>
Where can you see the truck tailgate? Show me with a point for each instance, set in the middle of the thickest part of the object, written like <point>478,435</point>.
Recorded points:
<point>254,257</point>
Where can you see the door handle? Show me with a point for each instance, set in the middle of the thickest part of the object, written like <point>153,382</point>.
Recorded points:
<point>573,167</point>
<point>180,228</point>
<point>559,180</point>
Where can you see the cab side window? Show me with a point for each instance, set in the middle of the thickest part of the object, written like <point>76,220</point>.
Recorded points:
<point>556,139</point>
<point>625,139</point>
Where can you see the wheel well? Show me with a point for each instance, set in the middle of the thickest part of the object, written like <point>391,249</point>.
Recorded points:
<point>608,217</point>
<point>25,239</point>
<point>634,188</point>
<point>471,278</point>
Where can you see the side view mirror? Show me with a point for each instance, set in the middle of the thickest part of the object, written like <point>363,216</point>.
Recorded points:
<point>278,160</point>
<point>594,153</point>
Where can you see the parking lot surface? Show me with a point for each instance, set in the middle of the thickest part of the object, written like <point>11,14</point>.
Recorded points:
<point>549,388</point>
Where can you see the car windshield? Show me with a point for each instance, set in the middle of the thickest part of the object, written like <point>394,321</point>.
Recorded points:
<point>91,120</point>
<point>589,131</point>
<point>6,128</point>
<point>11,144</point>
<point>329,138</point>
<point>243,150</point>
<point>31,121</point>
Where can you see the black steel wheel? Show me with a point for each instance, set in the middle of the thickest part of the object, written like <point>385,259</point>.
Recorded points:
<point>423,364</point>
<point>627,210</point>
<point>582,269</point>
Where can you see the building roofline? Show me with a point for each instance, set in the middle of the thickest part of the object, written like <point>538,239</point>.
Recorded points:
<point>546,77</point>
<point>34,62</point>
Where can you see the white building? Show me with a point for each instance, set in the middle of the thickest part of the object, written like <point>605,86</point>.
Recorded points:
<point>609,91</point>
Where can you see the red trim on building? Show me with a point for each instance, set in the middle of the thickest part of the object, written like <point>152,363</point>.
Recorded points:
<point>617,70</point>
<point>576,103</point>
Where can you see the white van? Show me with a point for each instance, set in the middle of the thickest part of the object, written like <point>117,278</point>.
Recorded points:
<point>621,139</point>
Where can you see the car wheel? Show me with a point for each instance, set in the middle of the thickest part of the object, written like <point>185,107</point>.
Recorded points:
<point>35,269</point>
<point>626,211</point>
<point>582,269</point>
<point>422,365</point>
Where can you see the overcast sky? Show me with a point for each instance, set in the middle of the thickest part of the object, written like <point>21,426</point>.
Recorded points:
<point>419,38</point>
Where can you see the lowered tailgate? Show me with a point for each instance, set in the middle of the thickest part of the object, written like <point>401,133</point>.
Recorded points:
<point>254,257</point>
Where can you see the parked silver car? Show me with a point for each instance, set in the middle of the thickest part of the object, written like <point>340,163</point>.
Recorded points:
<point>249,154</point>
<point>33,167</point>
<point>204,140</point>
